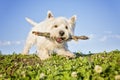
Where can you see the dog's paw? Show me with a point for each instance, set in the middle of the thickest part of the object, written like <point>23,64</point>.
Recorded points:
<point>44,58</point>
<point>70,56</point>
<point>24,53</point>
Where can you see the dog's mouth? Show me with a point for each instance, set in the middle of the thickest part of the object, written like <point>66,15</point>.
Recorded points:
<point>60,39</point>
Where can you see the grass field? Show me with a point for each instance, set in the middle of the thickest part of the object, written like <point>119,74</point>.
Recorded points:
<point>100,66</point>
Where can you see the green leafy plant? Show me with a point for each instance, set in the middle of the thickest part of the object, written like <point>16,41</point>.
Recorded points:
<point>100,66</point>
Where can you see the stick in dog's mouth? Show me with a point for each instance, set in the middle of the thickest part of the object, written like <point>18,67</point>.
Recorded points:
<point>47,35</point>
<point>44,34</point>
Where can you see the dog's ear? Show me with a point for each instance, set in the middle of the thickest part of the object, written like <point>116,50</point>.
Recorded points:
<point>72,20</point>
<point>49,15</point>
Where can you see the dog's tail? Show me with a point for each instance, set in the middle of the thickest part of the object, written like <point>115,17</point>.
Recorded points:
<point>31,21</point>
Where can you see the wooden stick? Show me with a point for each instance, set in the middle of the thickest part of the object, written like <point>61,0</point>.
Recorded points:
<point>45,34</point>
<point>79,37</point>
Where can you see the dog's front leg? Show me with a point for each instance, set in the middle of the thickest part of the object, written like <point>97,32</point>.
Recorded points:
<point>65,53</point>
<point>43,54</point>
<point>31,39</point>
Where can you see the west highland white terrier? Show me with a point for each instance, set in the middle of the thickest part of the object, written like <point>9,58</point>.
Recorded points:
<point>60,30</point>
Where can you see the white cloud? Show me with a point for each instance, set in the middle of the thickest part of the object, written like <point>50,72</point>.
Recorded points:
<point>17,42</point>
<point>8,43</point>
<point>108,32</point>
<point>112,36</point>
<point>91,36</point>
<point>4,43</point>
<point>117,36</point>
<point>104,38</point>
<point>109,35</point>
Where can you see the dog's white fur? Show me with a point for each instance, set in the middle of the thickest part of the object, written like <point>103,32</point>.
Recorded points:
<point>46,46</point>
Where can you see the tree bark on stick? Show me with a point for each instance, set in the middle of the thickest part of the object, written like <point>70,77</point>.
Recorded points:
<point>47,35</point>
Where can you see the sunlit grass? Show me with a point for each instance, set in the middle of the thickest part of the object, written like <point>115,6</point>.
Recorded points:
<point>100,66</point>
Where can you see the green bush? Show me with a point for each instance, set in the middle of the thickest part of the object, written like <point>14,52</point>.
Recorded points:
<point>100,66</point>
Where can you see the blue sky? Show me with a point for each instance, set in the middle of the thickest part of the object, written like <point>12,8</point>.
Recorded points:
<point>98,19</point>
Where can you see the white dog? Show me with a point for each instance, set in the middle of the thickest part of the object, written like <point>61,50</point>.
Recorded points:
<point>60,30</point>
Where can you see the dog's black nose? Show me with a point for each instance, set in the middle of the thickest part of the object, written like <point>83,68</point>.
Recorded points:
<point>61,33</point>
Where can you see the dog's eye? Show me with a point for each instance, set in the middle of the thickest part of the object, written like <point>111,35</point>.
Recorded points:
<point>66,27</point>
<point>55,26</point>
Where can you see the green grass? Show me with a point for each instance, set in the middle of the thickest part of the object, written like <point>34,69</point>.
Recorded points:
<point>100,66</point>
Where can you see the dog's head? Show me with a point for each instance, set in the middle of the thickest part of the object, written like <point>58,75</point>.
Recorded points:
<point>61,28</point>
